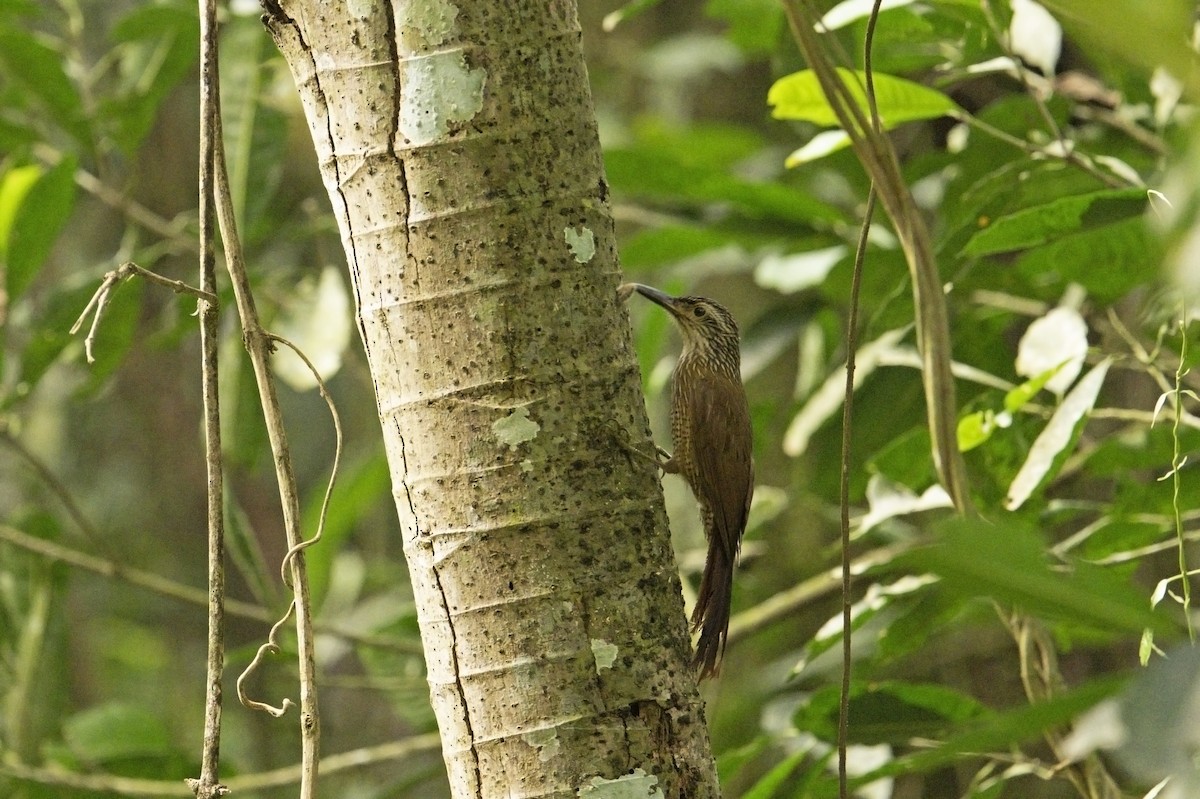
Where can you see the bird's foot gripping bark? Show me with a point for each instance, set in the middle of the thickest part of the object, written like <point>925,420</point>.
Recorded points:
<point>661,458</point>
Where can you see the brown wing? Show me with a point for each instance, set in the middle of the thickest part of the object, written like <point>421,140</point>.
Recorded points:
<point>721,441</point>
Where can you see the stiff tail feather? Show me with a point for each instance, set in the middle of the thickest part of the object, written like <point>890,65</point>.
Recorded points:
<point>711,615</point>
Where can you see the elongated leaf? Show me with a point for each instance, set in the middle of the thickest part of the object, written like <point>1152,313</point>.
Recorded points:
<point>1056,436</point>
<point>113,731</point>
<point>37,217</point>
<point>798,96</point>
<point>1040,224</point>
<point>156,48</point>
<point>660,175</point>
<point>1107,261</point>
<point>37,66</point>
<point>1006,563</point>
<point>891,711</point>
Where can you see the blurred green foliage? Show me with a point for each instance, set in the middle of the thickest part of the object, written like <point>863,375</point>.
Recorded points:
<point>1074,188</point>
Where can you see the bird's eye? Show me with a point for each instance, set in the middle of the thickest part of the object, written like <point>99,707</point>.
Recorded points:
<point>699,312</point>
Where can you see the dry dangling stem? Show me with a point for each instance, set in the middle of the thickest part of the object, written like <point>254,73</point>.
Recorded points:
<point>209,785</point>
<point>875,152</point>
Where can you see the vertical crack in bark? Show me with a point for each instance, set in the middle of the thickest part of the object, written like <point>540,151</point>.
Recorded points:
<point>393,136</point>
<point>458,686</point>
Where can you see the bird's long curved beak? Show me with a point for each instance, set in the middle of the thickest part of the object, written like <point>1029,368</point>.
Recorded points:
<point>654,295</point>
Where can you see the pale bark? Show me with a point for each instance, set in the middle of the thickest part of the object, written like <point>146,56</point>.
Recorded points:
<point>459,149</point>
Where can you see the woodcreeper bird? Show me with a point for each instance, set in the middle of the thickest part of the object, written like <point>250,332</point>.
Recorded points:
<point>710,430</point>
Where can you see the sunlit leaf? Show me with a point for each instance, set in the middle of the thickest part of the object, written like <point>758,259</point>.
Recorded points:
<point>36,223</point>
<point>799,96</point>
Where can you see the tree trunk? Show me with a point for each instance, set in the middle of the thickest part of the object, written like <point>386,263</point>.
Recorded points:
<point>458,145</point>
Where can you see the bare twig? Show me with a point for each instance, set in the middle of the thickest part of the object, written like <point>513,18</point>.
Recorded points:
<point>173,231</point>
<point>57,487</point>
<point>271,647</point>
<point>337,457</point>
<point>259,345</point>
<point>860,254</point>
<point>209,784</point>
<point>99,300</point>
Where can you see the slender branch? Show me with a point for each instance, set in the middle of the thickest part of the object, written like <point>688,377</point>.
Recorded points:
<point>337,456</point>
<point>184,593</point>
<point>173,231</point>
<point>57,487</point>
<point>860,254</point>
<point>275,778</point>
<point>259,346</point>
<point>844,489</point>
<point>209,785</point>
<point>785,604</point>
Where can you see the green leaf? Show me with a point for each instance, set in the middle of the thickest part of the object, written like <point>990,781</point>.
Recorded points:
<point>255,132</point>
<point>115,731</point>
<point>1043,223</point>
<point>974,429</point>
<point>993,732</point>
<point>773,780</point>
<point>15,185</point>
<point>358,491</point>
<point>660,175</point>
<point>31,216</point>
<point>1107,261</point>
<point>156,46</point>
<point>892,712</point>
<point>48,338</point>
<point>753,25</point>
<point>799,96</point>
<point>1006,563</point>
<point>38,68</point>
<point>1152,42</point>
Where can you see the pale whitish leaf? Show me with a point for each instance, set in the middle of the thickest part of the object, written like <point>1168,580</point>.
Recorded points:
<point>1058,339</point>
<point>998,64</point>
<point>1146,647</point>
<point>316,319</point>
<point>1160,591</point>
<point>849,11</point>
<point>877,599</point>
<point>1100,728</point>
<point>791,273</point>
<point>1174,469</point>
<point>824,143</point>
<point>1157,789</point>
<point>1158,406</point>
<point>1167,91</point>
<point>827,399</point>
<point>1120,168</point>
<point>865,759</point>
<point>887,499</point>
<point>1057,435</point>
<point>1035,36</point>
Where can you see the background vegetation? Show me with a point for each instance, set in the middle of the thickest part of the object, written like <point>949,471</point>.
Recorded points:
<point>987,653</point>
